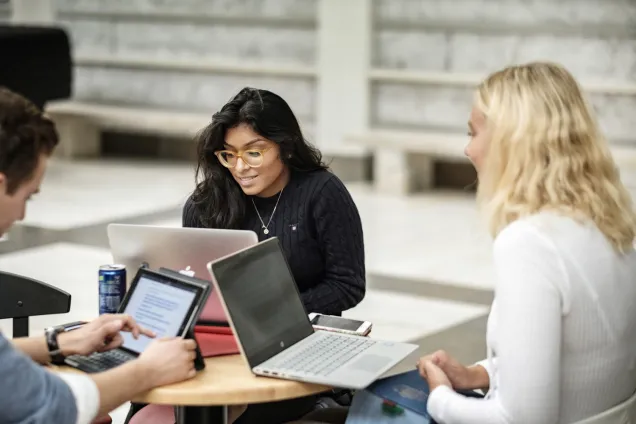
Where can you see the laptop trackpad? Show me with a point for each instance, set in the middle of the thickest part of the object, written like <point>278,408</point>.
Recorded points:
<point>370,362</point>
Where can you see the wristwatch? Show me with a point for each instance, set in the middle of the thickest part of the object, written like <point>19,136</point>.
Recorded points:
<point>51,333</point>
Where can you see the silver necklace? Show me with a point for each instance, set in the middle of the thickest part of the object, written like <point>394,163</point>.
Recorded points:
<point>266,227</point>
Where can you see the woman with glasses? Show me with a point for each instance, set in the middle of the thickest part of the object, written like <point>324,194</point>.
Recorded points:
<point>257,172</point>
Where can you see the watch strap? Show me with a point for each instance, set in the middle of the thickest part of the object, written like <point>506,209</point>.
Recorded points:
<point>51,333</point>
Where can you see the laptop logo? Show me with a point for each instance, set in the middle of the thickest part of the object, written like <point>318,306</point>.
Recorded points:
<point>187,272</point>
<point>282,344</point>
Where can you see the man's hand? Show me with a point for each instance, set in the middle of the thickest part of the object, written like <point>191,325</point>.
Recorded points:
<point>100,335</point>
<point>164,361</point>
<point>459,376</point>
<point>173,356</point>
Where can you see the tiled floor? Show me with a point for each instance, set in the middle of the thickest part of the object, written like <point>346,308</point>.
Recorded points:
<point>73,268</point>
<point>95,192</point>
<point>436,237</point>
<point>428,261</point>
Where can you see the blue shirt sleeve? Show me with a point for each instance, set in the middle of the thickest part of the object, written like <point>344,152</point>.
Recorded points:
<point>31,394</point>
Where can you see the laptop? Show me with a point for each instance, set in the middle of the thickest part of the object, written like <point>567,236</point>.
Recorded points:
<point>275,336</point>
<point>166,303</point>
<point>181,249</point>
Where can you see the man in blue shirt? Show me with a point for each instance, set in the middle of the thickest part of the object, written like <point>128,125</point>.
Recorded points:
<point>28,392</point>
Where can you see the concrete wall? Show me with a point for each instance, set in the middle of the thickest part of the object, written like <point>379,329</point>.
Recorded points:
<point>429,53</point>
<point>5,11</point>
<point>193,54</point>
<point>420,58</point>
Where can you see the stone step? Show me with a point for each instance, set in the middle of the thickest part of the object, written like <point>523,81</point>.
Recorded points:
<point>404,160</point>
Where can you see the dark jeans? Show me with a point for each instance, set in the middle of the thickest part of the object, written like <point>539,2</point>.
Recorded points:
<point>325,416</point>
<point>277,412</point>
<point>262,413</point>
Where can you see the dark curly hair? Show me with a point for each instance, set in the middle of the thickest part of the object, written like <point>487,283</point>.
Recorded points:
<point>218,200</point>
<point>25,134</point>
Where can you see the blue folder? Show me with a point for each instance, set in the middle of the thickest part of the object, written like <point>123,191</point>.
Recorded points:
<point>409,391</point>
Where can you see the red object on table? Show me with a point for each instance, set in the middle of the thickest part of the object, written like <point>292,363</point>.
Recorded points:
<point>215,341</point>
<point>212,329</point>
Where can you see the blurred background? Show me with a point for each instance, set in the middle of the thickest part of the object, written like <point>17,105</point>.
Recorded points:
<point>382,87</point>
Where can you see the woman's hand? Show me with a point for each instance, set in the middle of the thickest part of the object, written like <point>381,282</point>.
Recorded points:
<point>459,376</point>
<point>434,375</point>
<point>100,335</point>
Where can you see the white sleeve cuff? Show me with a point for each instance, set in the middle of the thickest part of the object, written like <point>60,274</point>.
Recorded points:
<point>490,366</point>
<point>437,402</point>
<point>86,396</point>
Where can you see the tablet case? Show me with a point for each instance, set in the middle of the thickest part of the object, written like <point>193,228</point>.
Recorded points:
<point>199,363</point>
<point>213,338</point>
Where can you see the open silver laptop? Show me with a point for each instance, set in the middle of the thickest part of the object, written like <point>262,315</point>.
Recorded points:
<point>178,249</point>
<point>275,336</point>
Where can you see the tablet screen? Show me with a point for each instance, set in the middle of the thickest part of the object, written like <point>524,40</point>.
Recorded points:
<point>158,306</point>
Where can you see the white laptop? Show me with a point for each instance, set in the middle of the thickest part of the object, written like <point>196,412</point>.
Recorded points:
<point>276,338</point>
<point>177,249</point>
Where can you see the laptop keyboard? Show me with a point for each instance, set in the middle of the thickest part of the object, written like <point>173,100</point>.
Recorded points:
<point>98,362</point>
<point>323,355</point>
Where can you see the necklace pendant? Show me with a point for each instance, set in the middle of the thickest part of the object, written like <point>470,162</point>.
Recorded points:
<point>266,231</point>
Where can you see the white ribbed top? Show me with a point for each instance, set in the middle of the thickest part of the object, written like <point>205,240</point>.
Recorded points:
<point>562,329</point>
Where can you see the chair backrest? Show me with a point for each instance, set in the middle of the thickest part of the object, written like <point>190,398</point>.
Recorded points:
<point>23,297</point>
<point>33,48</point>
<point>624,413</point>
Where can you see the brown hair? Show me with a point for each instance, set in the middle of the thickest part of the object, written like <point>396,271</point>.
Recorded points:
<point>25,135</point>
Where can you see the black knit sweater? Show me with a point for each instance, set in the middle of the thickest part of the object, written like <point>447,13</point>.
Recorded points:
<point>319,228</point>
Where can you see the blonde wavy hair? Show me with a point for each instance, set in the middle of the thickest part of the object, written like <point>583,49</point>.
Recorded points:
<point>546,151</point>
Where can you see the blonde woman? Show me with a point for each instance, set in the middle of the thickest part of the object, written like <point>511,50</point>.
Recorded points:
<point>562,329</point>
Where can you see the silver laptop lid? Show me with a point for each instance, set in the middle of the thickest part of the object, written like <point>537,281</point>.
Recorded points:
<point>262,299</point>
<point>177,248</point>
<point>174,247</point>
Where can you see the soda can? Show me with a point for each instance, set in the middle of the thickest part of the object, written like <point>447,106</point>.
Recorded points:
<point>112,288</point>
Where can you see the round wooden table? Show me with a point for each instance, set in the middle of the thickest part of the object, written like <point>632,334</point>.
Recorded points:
<point>226,380</point>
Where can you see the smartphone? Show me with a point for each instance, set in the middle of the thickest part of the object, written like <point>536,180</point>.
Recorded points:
<point>340,324</point>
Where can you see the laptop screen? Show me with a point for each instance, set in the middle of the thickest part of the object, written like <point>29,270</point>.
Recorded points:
<point>160,305</point>
<point>262,301</point>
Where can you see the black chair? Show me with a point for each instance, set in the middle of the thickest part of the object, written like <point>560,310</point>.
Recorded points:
<point>23,297</point>
<point>36,62</point>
